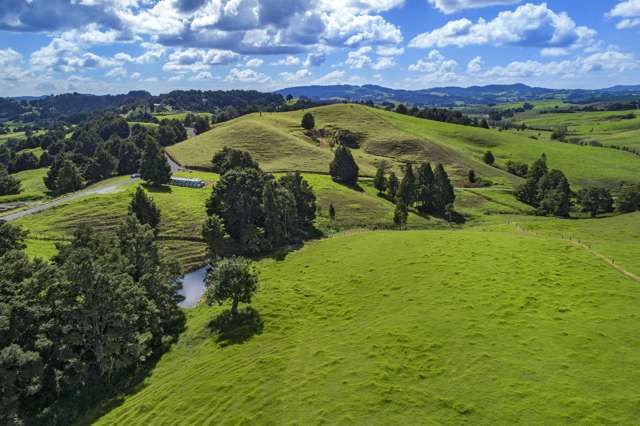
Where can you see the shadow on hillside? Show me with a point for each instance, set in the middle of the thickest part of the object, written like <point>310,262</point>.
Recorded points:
<point>355,186</point>
<point>230,331</point>
<point>158,189</point>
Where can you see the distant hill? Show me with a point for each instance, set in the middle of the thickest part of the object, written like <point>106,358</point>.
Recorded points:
<point>450,96</point>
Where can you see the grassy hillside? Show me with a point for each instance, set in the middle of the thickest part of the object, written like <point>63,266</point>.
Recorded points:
<point>32,186</point>
<point>278,142</point>
<point>442,327</point>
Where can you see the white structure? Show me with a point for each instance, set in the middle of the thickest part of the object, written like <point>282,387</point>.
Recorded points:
<point>190,183</point>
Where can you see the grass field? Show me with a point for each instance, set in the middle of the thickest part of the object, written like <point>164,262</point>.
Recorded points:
<point>437,327</point>
<point>277,141</point>
<point>179,115</point>
<point>32,186</point>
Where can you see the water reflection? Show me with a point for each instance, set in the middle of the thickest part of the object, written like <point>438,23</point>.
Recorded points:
<point>193,287</point>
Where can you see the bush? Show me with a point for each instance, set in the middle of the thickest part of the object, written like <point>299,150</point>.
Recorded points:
<point>488,158</point>
<point>308,121</point>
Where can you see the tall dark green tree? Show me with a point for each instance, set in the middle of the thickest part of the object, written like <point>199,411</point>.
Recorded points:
<point>343,168</point>
<point>154,167</point>
<point>11,237</point>
<point>629,199</point>
<point>144,209</point>
<point>128,158</point>
<point>68,179</point>
<point>407,190</point>
<point>443,189</point>
<point>488,158</point>
<point>304,197</point>
<point>102,166</point>
<point>308,121</point>
<point>595,200</point>
<point>392,186</point>
<point>400,214</point>
<point>280,213</point>
<point>554,194</point>
<point>380,181</point>
<point>230,158</point>
<point>201,124</point>
<point>528,192</point>
<point>425,192</point>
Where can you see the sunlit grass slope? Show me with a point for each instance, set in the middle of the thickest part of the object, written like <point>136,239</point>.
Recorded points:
<point>278,143</point>
<point>32,186</point>
<point>441,327</point>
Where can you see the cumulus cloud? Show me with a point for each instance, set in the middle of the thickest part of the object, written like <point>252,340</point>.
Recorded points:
<point>434,63</point>
<point>290,77</point>
<point>65,56</point>
<point>360,59</point>
<point>10,66</point>
<point>246,76</point>
<point>528,25</point>
<point>629,12</point>
<point>254,63</point>
<point>195,60</point>
<point>202,75</point>
<point>390,51</point>
<point>452,6</point>
<point>475,65</point>
<point>315,59</point>
<point>288,61</point>
<point>116,73</point>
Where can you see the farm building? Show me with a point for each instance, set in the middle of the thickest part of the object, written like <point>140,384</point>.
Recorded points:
<point>190,183</point>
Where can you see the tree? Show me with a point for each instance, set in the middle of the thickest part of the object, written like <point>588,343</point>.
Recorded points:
<point>129,158</point>
<point>559,133</point>
<point>332,212</point>
<point>517,168</point>
<point>595,200</point>
<point>425,188</point>
<point>280,213</point>
<point>629,199</point>
<point>68,179</point>
<point>407,190</point>
<point>400,214</point>
<point>101,166</point>
<point>45,159</point>
<point>484,124</point>
<point>343,168</point>
<point>303,195</point>
<point>554,194</point>
<point>392,185</point>
<point>24,161</point>
<point>154,167</point>
<point>11,237</point>
<point>308,121</point>
<point>9,185</point>
<point>401,109</point>
<point>471,176</point>
<point>201,124</point>
<point>528,192</point>
<point>229,158</point>
<point>233,279</point>
<point>380,181</point>
<point>443,189</point>
<point>144,209</point>
<point>488,158</point>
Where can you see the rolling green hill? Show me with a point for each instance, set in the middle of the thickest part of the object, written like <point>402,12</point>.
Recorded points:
<point>277,141</point>
<point>439,327</point>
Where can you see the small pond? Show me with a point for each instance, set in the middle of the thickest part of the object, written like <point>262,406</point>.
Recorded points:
<point>193,287</point>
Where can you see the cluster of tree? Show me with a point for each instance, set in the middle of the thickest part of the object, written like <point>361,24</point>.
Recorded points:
<point>546,190</point>
<point>501,114</point>
<point>430,191</point>
<point>595,200</point>
<point>346,138</point>
<point>517,168</point>
<point>559,133</point>
<point>442,114</point>
<point>628,200</point>
<point>142,116</point>
<point>170,132</point>
<point>243,101</point>
<point>251,211</point>
<point>104,307</point>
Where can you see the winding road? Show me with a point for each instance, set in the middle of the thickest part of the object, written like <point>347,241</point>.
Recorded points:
<point>82,193</point>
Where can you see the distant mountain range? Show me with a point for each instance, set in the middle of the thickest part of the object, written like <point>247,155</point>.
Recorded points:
<point>449,96</point>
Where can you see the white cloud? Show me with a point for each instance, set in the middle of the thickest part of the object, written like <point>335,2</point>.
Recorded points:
<point>475,65</point>
<point>246,76</point>
<point>290,77</point>
<point>359,58</point>
<point>333,77</point>
<point>135,76</point>
<point>196,60</point>
<point>435,63</point>
<point>528,25</point>
<point>202,75</point>
<point>315,59</point>
<point>116,73</point>
<point>289,60</point>
<point>10,66</point>
<point>452,6</point>
<point>383,63</point>
<point>254,63</point>
<point>65,56</point>
<point>389,51</point>
<point>629,11</point>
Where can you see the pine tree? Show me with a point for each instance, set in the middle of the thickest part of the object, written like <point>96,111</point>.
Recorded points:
<point>425,188</point>
<point>407,190</point>
<point>472,176</point>
<point>343,168</point>
<point>154,167</point>
<point>392,186</point>
<point>488,158</point>
<point>380,182</point>
<point>332,212</point>
<point>400,215</point>
<point>144,209</point>
<point>443,190</point>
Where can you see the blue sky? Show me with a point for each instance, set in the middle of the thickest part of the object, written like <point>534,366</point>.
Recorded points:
<point>113,46</point>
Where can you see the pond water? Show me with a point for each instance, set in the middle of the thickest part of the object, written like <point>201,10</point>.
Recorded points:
<point>193,287</point>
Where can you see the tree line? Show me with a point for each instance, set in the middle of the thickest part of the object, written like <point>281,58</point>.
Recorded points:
<point>76,328</point>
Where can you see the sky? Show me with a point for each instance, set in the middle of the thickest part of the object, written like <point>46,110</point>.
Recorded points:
<point>113,46</point>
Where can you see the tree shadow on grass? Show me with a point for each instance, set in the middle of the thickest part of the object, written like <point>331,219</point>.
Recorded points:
<point>157,188</point>
<point>230,331</point>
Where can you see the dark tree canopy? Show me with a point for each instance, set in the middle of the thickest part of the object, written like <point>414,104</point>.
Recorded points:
<point>154,167</point>
<point>595,200</point>
<point>229,158</point>
<point>488,158</point>
<point>407,190</point>
<point>233,279</point>
<point>380,181</point>
<point>9,185</point>
<point>308,121</point>
<point>303,195</point>
<point>343,168</point>
<point>144,209</point>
